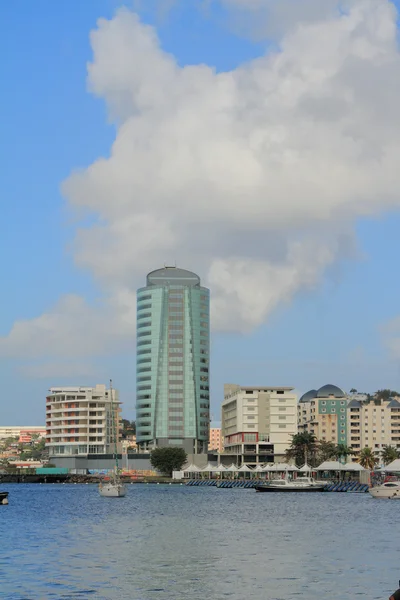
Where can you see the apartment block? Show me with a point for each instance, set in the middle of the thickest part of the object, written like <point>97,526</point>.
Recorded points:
<point>373,424</point>
<point>258,422</point>
<point>323,412</point>
<point>82,420</point>
<point>216,441</point>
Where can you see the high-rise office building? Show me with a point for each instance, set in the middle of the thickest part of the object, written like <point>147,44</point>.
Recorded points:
<point>172,365</point>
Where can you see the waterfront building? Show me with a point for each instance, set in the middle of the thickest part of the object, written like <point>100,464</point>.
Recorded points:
<point>24,433</point>
<point>373,423</point>
<point>323,412</point>
<point>258,422</point>
<point>216,440</point>
<point>172,365</point>
<point>79,420</point>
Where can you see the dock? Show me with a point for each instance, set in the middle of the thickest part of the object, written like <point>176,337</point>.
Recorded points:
<point>352,487</point>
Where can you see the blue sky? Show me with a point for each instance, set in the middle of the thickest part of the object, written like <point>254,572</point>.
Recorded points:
<point>51,125</point>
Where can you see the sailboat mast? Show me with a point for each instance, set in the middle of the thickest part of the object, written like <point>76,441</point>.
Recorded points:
<point>113,426</point>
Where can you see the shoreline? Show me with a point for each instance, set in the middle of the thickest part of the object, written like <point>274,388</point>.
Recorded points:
<point>73,479</point>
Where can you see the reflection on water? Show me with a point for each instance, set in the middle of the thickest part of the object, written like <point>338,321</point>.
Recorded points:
<point>173,542</point>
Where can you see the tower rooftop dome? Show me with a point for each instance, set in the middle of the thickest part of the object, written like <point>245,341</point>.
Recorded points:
<point>173,276</point>
<point>330,390</point>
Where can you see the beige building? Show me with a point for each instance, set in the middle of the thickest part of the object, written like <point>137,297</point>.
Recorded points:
<point>216,441</point>
<point>17,431</point>
<point>258,422</point>
<point>373,424</point>
<point>79,420</point>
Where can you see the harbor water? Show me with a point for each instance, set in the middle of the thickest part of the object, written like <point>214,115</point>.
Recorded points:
<point>174,542</point>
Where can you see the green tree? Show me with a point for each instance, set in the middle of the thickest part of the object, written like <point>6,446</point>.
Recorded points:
<point>389,454</point>
<point>167,460</point>
<point>367,459</point>
<point>343,451</point>
<point>353,391</point>
<point>302,448</point>
<point>326,451</point>
<point>385,394</point>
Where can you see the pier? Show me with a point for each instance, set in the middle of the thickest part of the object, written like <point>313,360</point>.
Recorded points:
<point>351,486</point>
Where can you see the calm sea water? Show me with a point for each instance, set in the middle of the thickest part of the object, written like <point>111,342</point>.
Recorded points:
<point>171,542</point>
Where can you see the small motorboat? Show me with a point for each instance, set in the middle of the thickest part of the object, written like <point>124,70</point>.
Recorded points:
<point>301,484</point>
<point>3,497</point>
<point>389,490</point>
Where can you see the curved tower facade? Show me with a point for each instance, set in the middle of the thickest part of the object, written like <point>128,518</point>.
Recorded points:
<point>172,361</point>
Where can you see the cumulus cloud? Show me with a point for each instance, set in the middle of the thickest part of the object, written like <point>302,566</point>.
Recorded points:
<point>71,328</point>
<point>251,177</point>
<point>274,18</point>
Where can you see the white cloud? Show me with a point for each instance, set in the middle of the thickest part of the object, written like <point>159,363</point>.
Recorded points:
<point>274,18</point>
<point>250,177</point>
<point>72,328</point>
<point>390,333</point>
<point>57,370</point>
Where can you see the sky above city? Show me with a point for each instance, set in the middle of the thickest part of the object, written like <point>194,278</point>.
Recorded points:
<point>255,142</point>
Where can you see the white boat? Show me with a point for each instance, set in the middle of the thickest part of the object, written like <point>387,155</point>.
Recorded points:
<point>390,490</point>
<point>113,488</point>
<point>301,484</point>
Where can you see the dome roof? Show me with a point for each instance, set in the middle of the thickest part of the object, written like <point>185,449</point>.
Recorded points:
<point>173,276</point>
<point>330,390</point>
<point>308,396</point>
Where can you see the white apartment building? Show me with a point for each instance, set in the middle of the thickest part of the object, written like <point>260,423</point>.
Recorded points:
<point>79,420</point>
<point>373,424</point>
<point>258,422</point>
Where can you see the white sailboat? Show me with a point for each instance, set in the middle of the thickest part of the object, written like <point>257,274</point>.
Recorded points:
<point>113,488</point>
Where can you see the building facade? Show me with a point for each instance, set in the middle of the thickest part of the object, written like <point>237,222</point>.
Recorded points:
<point>323,412</point>
<point>258,422</point>
<point>172,364</point>
<point>216,440</point>
<point>23,433</point>
<point>373,424</point>
<point>81,421</point>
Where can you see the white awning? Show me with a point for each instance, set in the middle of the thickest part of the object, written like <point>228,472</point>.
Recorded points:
<point>305,468</point>
<point>393,466</point>
<point>259,469</point>
<point>210,468</point>
<point>353,466</point>
<point>330,465</point>
<point>192,469</point>
<point>245,469</point>
<point>282,467</point>
<point>232,469</point>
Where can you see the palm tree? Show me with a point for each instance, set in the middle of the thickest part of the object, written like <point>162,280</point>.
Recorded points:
<point>343,451</point>
<point>389,454</point>
<point>326,451</point>
<point>303,446</point>
<point>367,459</point>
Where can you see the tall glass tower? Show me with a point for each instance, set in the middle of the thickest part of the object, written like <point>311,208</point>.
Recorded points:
<point>172,364</point>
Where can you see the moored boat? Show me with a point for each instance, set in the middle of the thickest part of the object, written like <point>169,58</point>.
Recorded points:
<point>302,484</point>
<point>389,490</point>
<point>113,487</point>
<point>3,497</point>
